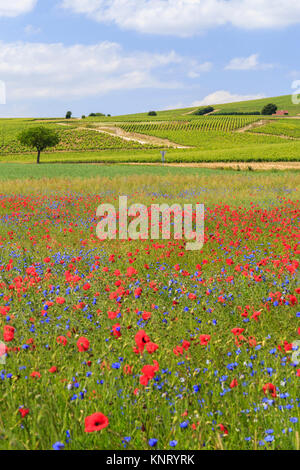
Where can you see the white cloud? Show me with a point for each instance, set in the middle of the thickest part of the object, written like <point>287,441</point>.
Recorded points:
<point>197,69</point>
<point>223,96</point>
<point>247,63</point>
<point>188,17</point>
<point>16,7</point>
<point>31,30</point>
<point>2,92</point>
<point>40,70</point>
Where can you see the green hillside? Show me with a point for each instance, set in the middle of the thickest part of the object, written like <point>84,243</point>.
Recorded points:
<point>282,102</point>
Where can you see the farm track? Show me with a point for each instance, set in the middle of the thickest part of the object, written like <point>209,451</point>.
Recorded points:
<point>233,165</point>
<point>134,136</point>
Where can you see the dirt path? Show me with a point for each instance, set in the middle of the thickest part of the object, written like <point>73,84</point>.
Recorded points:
<point>253,125</point>
<point>141,138</point>
<point>191,112</point>
<point>134,136</point>
<point>233,165</point>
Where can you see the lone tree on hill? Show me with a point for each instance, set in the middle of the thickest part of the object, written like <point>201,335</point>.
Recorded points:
<point>39,138</point>
<point>69,115</point>
<point>269,109</point>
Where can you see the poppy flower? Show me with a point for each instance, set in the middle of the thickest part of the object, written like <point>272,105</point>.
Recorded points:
<point>95,422</point>
<point>62,340</point>
<point>269,387</point>
<point>151,347</point>
<point>23,411</point>
<point>83,344</point>
<point>141,338</point>
<point>8,333</point>
<point>204,339</point>
<point>116,330</point>
<point>35,375</point>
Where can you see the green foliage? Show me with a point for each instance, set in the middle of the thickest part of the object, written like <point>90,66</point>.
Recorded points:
<point>39,138</point>
<point>96,115</point>
<point>202,111</point>
<point>69,115</point>
<point>152,113</point>
<point>269,109</point>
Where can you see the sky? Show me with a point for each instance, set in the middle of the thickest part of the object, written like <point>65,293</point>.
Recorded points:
<point>128,56</point>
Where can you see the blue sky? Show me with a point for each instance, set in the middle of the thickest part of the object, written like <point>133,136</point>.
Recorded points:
<point>126,56</point>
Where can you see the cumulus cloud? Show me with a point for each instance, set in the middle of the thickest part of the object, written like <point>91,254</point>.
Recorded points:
<point>223,96</point>
<point>188,17</point>
<point>16,7</point>
<point>40,70</point>
<point>247,63</point>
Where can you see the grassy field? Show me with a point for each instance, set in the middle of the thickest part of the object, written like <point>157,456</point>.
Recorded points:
<point>282,102</point>
<point>208,138</point>
<point>175,349</point>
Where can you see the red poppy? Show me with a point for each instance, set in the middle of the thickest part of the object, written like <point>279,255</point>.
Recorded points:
<point>8,333</point>
<point>116,330</point>
<point>35,375</point>
<point>234,383</point>
<point>271,389</point>
<point>83,344</point>
<point>62,340</point>
<point>151,347</point>
<point>141,338</point>
<point>223,428</point>
<point>204,339</point>
<point>23,411</point>
<point>95,422</point>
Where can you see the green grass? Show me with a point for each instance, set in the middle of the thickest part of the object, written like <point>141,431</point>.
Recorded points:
<point>19,171</point>
<point>285,150</point>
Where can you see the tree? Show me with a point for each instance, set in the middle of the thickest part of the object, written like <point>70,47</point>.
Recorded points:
<point>152,113</point>
<point>269,109</point>
<point>69,115</point>
<point>40,138</point>
<point>202,111</point>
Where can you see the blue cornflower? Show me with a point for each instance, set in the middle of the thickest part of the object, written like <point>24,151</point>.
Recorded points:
<point>173,443</point>
<point>152,442</point>
<point>58,446</point>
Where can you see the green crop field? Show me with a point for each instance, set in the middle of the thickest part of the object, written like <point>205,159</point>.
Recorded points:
<point>207,138</point>
<point>283,127</point>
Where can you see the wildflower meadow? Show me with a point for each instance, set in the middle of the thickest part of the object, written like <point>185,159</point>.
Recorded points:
<point>142,344</point>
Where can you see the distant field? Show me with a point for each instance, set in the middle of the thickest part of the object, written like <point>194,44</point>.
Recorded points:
<point>282,102</point>
<point>19,171</point>
<point>210,138</point>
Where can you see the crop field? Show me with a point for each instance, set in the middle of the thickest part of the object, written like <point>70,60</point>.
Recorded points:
<point>141,344</point>
<point>207,138</point>
<point>72,138</point>
<point>209,123</point>
<point>286,127</point>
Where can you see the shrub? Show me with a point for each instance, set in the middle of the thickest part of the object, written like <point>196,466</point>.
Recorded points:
<point>202,111</point>
<point>269,109</point>
<point>152,113</point>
